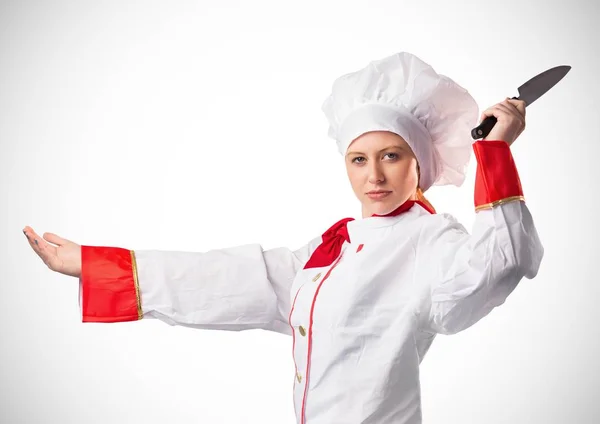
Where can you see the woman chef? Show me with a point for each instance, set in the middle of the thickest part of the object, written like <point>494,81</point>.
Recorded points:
<point>364,300</point>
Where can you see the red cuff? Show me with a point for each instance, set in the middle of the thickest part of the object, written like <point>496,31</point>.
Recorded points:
<point>110,290</point>
<point>497,180</point>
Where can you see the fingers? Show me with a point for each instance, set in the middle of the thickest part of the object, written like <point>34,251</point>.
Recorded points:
<point>519,105</point>
<point>53,238</point>
<point>511,110</point>
<point>508,107</point>
<point>495,111</point>
<point>516,108</point>
<point>31,236</point>
<point>43,249</point>
<point>34,240</point>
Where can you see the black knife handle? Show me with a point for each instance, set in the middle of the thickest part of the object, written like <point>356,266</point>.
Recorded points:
<point>485,127</point>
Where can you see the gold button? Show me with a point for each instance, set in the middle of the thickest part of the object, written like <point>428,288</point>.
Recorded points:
<point>299,377</point>
<point>302,330</point>
<point>317,277</point>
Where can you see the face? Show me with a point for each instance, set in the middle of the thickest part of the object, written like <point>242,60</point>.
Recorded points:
<point>381,161</point>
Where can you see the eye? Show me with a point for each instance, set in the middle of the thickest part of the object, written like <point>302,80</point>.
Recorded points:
<point>394,154</point>
<point>358,157</point>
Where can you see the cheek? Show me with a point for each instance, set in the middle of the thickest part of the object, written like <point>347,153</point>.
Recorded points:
<point>413,175</point>
<point>356,178</point>
<point>407,176</point>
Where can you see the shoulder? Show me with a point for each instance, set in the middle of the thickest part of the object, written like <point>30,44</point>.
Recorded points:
<point>427,220</point>
<point>439,227</point>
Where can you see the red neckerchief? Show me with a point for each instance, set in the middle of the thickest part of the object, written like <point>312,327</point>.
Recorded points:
<point>334,237</point>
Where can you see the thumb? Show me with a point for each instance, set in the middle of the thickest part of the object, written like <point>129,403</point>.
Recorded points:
<point>485,114</point>
<point>54,239</point>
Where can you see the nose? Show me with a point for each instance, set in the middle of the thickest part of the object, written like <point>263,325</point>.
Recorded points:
<point>376,173</point>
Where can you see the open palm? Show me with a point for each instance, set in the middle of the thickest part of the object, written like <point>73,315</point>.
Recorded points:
<point>62,255</point>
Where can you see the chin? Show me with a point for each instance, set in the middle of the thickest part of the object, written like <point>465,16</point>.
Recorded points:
<point>383,207</point>
<point>380,208</point>
<point>384,210</point>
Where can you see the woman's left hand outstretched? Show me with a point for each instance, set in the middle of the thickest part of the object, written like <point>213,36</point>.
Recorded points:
<point>62,255</point>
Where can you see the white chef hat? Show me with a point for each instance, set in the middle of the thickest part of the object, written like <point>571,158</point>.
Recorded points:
<point>404,95</point>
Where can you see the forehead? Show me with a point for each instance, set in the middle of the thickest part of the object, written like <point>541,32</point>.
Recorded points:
<point>374,141</point>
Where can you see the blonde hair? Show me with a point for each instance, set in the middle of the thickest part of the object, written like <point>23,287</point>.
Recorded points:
<point>421,198</point>
<point>419,193</point>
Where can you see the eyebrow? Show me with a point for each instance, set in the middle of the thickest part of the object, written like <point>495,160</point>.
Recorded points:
<point>385,148</point>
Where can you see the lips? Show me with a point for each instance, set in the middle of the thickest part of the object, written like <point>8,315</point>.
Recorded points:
<point>378,194</point>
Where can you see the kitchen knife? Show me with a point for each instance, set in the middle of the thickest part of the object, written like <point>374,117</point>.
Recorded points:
<point>529,92</point>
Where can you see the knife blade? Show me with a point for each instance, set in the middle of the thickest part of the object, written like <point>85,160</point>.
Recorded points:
<point>529,92</point>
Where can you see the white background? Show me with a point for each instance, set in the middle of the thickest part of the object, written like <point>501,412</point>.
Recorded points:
<point>197,125</point>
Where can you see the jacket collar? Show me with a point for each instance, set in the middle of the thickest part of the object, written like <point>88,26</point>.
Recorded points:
<point>359,230</point>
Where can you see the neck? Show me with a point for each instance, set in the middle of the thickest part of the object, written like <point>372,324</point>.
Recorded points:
<point>389,213</point>
<point>368,214</point>
<point>417,197</point>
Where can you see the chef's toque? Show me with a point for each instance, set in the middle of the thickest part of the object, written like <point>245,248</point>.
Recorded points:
<point>404,95</point>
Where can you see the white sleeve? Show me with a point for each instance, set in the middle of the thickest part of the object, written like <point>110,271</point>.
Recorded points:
<point>236,288</point>
<point>476,273</point>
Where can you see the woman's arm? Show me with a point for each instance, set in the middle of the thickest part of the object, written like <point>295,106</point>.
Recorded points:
<point>236,288</point>
<point>475,273</point>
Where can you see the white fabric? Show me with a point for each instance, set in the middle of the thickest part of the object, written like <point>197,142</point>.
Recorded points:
<point>406,96</point>
<point>236,288</point>
<point>376,314</point>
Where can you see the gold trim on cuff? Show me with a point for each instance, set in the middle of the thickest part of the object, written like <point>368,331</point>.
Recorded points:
<point>499,202</point>
<point>136,284</point>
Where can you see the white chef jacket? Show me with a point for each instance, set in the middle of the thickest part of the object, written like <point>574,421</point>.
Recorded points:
<point>361,326</point>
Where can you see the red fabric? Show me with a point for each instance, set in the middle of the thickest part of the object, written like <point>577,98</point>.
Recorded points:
<point>334,237</point>
<point>496,176</point>
<point>108,286</point>
<point>330,247</point>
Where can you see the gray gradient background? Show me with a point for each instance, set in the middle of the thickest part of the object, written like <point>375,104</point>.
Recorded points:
<point>197,125</point>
